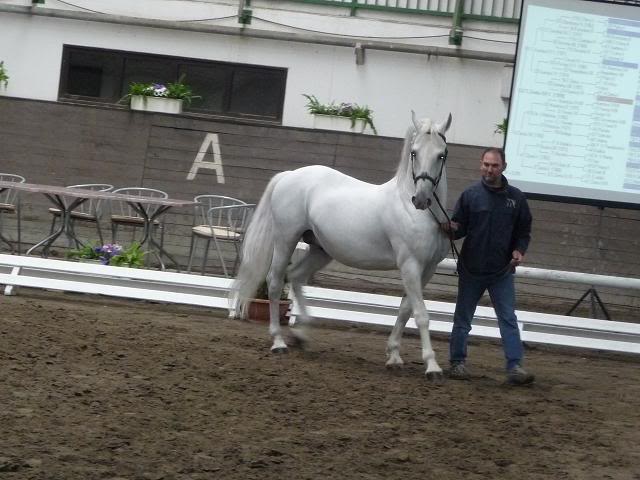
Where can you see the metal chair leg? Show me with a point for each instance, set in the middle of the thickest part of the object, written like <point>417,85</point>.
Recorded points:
<point>191,252</point>
<point>53,223</point>
<point>236,245</point>
<point>221,257</point>
<point>99,231</point>
<point>19,214</point>
<point>205,255</point>
<point>2,237</point>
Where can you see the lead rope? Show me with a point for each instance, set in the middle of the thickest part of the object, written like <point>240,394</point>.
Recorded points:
<point>454,248</point>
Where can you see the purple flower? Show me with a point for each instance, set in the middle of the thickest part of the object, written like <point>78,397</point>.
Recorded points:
<point>159,90</point>
<point>107,251</point>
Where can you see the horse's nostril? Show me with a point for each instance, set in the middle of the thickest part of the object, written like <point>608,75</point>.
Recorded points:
<point>413,200</point>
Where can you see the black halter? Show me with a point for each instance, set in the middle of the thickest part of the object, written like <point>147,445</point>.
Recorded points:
<point>435,182</point>
<point>425,175</point>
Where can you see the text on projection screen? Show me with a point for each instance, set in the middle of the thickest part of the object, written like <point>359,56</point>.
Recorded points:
<point>574,120</point>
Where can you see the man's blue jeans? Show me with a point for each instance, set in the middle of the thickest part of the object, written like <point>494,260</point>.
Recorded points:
<point>503,296</point>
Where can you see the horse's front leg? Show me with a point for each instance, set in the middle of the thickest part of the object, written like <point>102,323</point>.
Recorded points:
<point>393,343</point>
<point>412,279</point>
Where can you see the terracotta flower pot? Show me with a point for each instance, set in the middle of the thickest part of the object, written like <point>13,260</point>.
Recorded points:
<point>259,310</point>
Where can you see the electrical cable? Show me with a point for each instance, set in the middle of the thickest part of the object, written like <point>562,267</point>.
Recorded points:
<point>185,21</point>
<point>417,37</point>
<point>342,34</point>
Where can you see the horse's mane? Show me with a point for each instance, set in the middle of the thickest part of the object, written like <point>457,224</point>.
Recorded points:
<point>404,177</point>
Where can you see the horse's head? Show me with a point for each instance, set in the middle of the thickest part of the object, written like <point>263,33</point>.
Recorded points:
<point>427,152</point>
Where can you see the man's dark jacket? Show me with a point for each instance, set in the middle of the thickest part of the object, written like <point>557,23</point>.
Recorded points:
<point>495,222</point>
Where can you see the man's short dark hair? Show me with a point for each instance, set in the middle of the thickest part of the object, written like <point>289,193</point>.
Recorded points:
<point>496,150</point>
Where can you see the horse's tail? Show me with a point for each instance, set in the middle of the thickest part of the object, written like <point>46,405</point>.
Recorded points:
<point>257,252</point>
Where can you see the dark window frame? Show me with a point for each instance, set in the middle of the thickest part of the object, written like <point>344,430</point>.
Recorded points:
<point>178,64</point>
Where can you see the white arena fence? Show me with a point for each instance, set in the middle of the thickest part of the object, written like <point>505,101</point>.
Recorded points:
<point>326,305</point>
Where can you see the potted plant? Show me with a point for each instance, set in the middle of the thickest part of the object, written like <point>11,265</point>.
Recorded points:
<point>354,117</point>
<point>88,253</point>
<point>4,78</point>
<point>502,126</point>
<point>157,97</point>
<point>110,254</point>
<point>258,308</point>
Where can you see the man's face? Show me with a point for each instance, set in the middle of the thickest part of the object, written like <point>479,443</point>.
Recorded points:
<point>491,168</point>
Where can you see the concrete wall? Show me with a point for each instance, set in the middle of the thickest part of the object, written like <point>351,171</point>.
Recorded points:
<point>63,144</point>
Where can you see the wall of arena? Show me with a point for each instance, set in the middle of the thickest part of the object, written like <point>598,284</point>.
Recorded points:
<point>64,144</point>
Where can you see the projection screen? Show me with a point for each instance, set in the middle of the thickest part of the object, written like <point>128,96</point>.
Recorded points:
<point>574,116</point>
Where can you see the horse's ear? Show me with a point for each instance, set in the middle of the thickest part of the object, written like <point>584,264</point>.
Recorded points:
<point>414,119</point>
<point>444,126</point>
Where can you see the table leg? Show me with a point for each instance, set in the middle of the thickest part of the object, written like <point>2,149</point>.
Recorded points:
<point>148,233</point>
<point>2,237</point>
<point>64,224</point>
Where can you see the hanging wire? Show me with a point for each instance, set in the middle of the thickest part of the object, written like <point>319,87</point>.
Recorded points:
<point>185,21</point>
<point>324,32</point>
<point>344,35</point>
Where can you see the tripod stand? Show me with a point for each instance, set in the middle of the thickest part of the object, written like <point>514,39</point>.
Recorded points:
<point>595,300</point>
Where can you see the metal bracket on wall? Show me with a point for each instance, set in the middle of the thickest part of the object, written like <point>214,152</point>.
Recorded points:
<point>455,34</point>
<point>359,51</point>
<point>244,12</point>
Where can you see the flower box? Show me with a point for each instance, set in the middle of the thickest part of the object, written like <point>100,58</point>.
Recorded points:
<point>149,103</point>
<point>335,122</point>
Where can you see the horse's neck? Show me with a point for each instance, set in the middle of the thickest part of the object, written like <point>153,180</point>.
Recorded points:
<point>441,191</point>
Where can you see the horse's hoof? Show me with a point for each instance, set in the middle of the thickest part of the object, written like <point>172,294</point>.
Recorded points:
<point>279,350</point>
<point>436,378</point>
<point>393,366</point>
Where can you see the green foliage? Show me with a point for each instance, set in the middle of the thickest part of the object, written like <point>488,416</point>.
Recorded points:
<point>88,251</point>
<point>350,110</point>
<point>130,257</point>
<point>177,90</point>
<point>502,127</point>
<point>111,254</point>
<point>4,78</point>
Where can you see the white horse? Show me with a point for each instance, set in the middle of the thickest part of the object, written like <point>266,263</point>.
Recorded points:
<point>381,227</point>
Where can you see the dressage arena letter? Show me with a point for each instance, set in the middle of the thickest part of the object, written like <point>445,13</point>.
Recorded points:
<point>198,163</point>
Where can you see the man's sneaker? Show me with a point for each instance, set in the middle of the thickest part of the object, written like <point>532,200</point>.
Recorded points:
<point>459,372</point>
<point>519,376</point>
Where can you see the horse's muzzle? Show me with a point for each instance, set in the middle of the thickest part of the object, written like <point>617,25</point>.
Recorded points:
<point>421,204</point>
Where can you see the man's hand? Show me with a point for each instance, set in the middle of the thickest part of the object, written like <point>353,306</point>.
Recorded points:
<point>516,258</point>
<point>449,227</point>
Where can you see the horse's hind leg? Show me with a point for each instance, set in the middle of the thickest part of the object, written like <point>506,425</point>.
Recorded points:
<point>393,343</point>
<point>275,283</point>
<point>299,274</point>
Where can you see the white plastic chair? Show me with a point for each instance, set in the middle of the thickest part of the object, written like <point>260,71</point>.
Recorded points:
<point>222,220</point>
<point>88,211</point>
<point>123,214</point>
<point>10,204</point>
